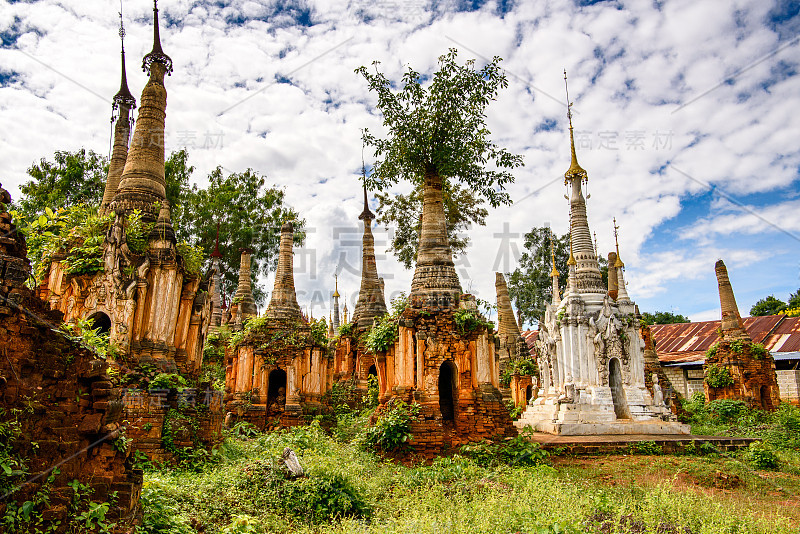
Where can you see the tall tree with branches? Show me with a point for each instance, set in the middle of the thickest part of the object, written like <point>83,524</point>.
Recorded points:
<point>438,132</point>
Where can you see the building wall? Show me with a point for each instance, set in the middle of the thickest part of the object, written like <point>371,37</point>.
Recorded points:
<point>678,379</point>
<point>789,386</point>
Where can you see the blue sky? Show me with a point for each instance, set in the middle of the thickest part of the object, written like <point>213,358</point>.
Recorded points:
<point>672,99</point>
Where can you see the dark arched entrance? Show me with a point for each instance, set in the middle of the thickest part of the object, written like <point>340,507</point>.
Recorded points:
<point>276,388</point>
<point>528,394</point>
<point>766,403</point>
<point>617,391</point>
<point>447,390</point>
<point>102,321</point>
<point>372,370</point>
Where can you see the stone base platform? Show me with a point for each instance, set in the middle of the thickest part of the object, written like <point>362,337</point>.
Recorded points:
<point>610,428</point>
<point>616,444</point>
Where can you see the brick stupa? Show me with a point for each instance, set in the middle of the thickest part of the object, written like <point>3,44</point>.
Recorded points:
<point>736,368</point>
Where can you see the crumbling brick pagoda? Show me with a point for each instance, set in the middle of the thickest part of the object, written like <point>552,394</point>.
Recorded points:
<point>70,413</point>
<point>279,369</point>
<point>445,357</point>
<point>736,368</point>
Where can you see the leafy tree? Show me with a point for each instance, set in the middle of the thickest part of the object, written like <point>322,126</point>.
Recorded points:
<point>439,132</point>
<point>71,178</point>
<point>79,177</point>
<point>177,173</point>
<point>530,285</point>
<point>249,215</point>
<point>794,300</point>
<point>767,306</point>
<point>663,317</point>
<point>461,208</point>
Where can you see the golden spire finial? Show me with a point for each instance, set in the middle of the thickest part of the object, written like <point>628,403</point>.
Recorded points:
<point>575,170</point>
<point>336,291</point>
<point>618,263</point>
<point>571,260</point>
<point>554,272</point>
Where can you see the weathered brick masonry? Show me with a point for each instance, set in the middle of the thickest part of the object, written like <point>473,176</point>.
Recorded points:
<point>69,411</point>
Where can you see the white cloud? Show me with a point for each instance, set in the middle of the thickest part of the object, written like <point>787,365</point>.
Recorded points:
<point>629,68</point>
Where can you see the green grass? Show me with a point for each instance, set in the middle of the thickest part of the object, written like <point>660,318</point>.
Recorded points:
<point>243,493</point>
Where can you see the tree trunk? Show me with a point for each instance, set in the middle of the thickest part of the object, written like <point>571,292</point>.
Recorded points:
<point>435,282</point>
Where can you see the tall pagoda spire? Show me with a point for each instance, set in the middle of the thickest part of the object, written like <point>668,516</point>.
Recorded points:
<point>370,302</point>
<point>435,283</point>
<point>244,291</point>
<point>622,293</point>
<point>121,108</point>
<point>335,321</point>
<point>283,302</point>
<point>587,269</point>
<point>216,295</point>
<point>142,185</point>
<point>554,273</point>
<point>732,326</point>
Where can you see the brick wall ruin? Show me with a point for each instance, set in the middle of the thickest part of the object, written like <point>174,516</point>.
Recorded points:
<point>68,412</point>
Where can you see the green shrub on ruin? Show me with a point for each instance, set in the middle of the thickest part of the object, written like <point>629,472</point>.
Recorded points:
<point>758,351</point>
<point>392,430</point>
<point>81,332</point>
<point>385,329</point>
<point>468,321</point>
<point>346,329</point>
<point>718,377</point>
<point>518,366</point>
<point>319,332</point>
<point>192,257</point>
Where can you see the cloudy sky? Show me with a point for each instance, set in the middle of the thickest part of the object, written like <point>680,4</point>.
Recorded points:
<point>683,117</point>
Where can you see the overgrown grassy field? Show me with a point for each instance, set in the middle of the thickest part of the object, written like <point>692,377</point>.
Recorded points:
<point>494,489</point>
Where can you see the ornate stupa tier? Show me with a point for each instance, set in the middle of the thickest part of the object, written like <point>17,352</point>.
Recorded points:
<point>371,303</point>
<point>283,303</point>
<point>589,279</point>
<point>435,282</point>
<point>507,323</point>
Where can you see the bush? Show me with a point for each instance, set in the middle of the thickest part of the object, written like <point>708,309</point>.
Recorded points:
<point>392,430</point>
<point>469,320</point>
<point>718,377</point>
<point>761,456</point>
<point>518,451</point>
<point>322,498</point>
<point>160,516</point>
<point>168,381</point>
<point>727,411</point>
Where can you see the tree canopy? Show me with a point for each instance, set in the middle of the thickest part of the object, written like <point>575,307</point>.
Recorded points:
<point>530,285</point>
<point>767,306</point>
<point>250,215</point>
<point>663,317</point>
<point>249,212</point>
<point>440,129</point>
<point>71,178</point>
<point>461,207</point>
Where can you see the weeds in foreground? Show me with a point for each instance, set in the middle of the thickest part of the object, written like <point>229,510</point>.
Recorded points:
<point>488,487</point>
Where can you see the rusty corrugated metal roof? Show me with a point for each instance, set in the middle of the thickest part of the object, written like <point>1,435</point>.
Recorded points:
<point>685,342</point>
<point>688,342</point>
